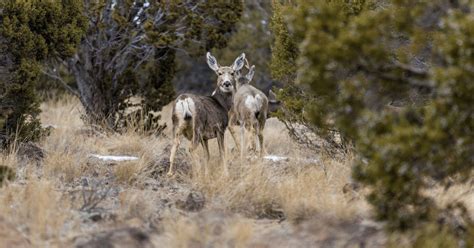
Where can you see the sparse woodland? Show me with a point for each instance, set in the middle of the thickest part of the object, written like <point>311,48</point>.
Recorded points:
<point>369,142</point>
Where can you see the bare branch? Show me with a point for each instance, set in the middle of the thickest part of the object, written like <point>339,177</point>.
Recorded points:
<point>58,78</point>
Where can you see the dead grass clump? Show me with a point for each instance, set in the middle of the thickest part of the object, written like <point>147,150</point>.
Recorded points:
<point>125,172</point>
<point>37,206</point>
<point>62,113</point>
<point>259,190</point>
<point>207,230</point>
<point>129,143</point>
<point>136,204</point>
<point>65,165</point>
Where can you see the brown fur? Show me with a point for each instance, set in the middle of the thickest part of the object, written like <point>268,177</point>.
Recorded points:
<point>252,119</point>
<point>201,118</point>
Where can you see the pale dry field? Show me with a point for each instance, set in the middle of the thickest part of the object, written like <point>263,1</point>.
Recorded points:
<point>73,199</point>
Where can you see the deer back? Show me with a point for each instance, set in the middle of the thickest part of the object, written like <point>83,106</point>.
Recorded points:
<point>250,102</point>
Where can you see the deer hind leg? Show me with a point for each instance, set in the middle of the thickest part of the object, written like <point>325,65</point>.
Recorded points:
<point>222,152</point>
<point>252,136</point>
<point>260,141</point>
<point>232,130</point>
<point>205,145</point>
<point>176,143</point>
<point>234,136</point>
<point>194,156</point>
<point>242,141</point>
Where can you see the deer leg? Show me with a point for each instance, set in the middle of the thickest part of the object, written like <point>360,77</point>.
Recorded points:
<point>173,152</point>
<point>260,141</point>
<point>258,138</point>
<point>192,150</point>
<point>234,137</point>
<point>222,152</point>
<point>242,141</point>
<point>231,127</point>
<point>253,139</point>
<point>205,145</point>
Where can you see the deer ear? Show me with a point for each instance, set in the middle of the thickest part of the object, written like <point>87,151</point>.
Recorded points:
<point>250,74</point>
<point>212,62</point>
<point>239,62</point>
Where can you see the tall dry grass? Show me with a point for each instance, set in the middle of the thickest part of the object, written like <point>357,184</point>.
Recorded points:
<point>307,185</point>
<point>38,208</point>
<point>206,230</point>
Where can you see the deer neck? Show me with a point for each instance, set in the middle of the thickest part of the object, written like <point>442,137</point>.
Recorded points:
<point>224,99</point>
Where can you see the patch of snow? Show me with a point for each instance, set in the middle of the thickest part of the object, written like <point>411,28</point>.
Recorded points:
<point>113,158</point>
<point>275,158</point>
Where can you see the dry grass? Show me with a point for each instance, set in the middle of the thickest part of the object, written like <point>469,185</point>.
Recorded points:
<point>38,207</point>
<point>299,191</point>
<point>44,202</point>
<point>206,230</point>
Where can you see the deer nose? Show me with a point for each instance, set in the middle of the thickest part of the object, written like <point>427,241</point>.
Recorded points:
<point>227,84</point>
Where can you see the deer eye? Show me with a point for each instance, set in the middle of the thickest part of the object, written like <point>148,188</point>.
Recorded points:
<point>232,74</point>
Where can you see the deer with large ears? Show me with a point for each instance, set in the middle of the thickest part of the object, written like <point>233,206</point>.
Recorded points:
<point>250,109</point>
<point>201,118</point>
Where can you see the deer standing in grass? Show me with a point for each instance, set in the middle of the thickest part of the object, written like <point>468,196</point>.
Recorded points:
<point>250,109</point>
<point>200,118</point>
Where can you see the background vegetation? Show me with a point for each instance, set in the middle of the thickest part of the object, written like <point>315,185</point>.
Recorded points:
<point>31,33</point>
<point>379,88</point>
<point>393,77</point>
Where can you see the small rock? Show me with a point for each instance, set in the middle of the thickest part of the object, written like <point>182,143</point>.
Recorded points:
<point>126,237</point>
<point>29,151</point>
<point>194,202</point>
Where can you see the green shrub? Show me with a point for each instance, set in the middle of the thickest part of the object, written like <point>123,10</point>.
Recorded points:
<point>32,32</point>
<point>373,56</point>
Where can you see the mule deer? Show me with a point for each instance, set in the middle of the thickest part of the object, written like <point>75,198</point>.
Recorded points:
<point>200,118</point>
<point>250,109</point>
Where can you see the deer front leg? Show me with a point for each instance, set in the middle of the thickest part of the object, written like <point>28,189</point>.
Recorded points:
<point>222,152</point>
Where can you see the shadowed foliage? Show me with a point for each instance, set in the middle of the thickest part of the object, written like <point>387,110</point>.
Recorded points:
<point>31,32</point>
<point>393,77</point>
<point>129,51</point>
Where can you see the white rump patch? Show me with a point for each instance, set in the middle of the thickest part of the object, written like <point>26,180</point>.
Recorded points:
<point>254,103</point>
<point>184,107</point>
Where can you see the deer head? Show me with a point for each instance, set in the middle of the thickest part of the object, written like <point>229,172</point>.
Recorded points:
<point>226,74</point>
<point>242,80</point>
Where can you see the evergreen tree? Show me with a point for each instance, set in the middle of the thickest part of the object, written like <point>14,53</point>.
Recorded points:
<point>296,98</point>
<point>395,77</point>
<point>130,50</point>
<point>31,32</point>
